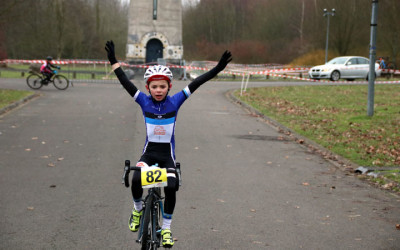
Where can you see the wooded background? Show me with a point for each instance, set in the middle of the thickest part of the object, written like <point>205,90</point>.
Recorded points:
<point>256,31</point>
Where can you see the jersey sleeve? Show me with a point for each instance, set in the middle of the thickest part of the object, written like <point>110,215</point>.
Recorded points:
<point>140,98</point>
<point>202,79</point>
<point>123,79</point>
<point>180,97</point>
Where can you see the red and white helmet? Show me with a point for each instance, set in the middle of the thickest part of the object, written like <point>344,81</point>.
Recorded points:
<point>158,72</point>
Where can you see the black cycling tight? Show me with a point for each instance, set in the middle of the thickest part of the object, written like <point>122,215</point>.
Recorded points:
<point>170,191</point>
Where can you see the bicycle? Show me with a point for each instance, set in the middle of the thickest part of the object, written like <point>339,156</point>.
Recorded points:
<point>153,178</point>
<point>36,81</point>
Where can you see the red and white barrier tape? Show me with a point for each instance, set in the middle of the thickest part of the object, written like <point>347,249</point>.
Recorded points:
<point>391,71</point>
<point>241,72</point>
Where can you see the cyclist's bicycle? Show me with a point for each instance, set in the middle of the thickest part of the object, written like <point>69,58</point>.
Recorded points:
<point>389,66</point>
<point>36,81</point>
<point>153,177</point>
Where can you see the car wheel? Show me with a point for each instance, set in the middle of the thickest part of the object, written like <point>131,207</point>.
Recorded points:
<point>335,76</point>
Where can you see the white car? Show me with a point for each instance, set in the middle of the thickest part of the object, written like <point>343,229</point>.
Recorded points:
<point>345,67</point>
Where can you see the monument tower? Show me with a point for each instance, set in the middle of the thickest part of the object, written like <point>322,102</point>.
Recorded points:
<point>154,31</point>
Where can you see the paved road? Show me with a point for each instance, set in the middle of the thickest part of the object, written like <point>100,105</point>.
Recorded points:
<point>245,187</point>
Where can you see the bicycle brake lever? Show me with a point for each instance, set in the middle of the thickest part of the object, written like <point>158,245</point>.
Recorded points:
<point>125,177</point>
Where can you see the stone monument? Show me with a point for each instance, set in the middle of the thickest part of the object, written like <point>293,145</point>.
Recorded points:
<point>155,31</point>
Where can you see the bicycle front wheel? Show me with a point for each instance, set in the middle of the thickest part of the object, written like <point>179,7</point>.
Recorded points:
<point>60,82</point>
<point>34,81</point>
<point>146,236</point>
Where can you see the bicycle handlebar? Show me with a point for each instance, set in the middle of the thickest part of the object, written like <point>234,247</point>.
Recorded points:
<point>128,168</point>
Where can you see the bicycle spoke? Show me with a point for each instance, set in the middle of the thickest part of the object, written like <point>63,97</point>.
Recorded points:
<point>34,81</point>
<point>60,82</point>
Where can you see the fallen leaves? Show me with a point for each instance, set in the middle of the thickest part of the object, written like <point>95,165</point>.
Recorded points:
<point>48,156</point>
<point>53,164</point>
<point>389,185</point>
<point>333,124</point>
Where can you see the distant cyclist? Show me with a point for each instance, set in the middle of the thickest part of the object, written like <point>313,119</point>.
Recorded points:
<point>160,111</point>
<point>382,63</point>
<point>46,69</point>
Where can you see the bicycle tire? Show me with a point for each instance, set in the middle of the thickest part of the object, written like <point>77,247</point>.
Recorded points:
<point>146,236</point>
<point>156,223</point>
<point>34,81</point>
<point>60,82</point>
<point>155,226</point>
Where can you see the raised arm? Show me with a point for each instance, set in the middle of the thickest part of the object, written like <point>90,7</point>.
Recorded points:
<point>116,67</point>
<point>225,59</point>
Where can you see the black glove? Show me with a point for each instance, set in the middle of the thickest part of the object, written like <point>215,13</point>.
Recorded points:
<point>225,59</point>
<point>111,52</point>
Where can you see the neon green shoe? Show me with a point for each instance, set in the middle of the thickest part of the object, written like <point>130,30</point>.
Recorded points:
<point>134,220</point>
<point>167,239</point>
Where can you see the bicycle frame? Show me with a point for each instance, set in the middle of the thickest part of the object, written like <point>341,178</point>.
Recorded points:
<point>153,200</point>
<point>37,80</point>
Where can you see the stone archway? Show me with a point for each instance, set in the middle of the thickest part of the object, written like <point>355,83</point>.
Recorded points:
<point>154,50</point>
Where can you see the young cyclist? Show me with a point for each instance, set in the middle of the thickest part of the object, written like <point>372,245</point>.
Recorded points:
<point>160,111</point>
<point>46,70</point>
<point>382,64</point>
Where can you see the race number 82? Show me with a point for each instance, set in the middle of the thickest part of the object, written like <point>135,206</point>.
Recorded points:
<point>153,176</point>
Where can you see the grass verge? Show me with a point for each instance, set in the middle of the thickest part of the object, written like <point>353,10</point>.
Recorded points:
<point>336,118</point>
<point>8,96</point>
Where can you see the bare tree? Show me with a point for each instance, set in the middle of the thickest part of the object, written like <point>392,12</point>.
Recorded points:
<point>64,29</point>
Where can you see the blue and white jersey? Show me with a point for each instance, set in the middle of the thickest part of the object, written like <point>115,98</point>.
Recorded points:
<point>160,117</point>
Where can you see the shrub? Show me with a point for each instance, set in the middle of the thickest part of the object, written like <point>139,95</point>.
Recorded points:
<point>315,57</point>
